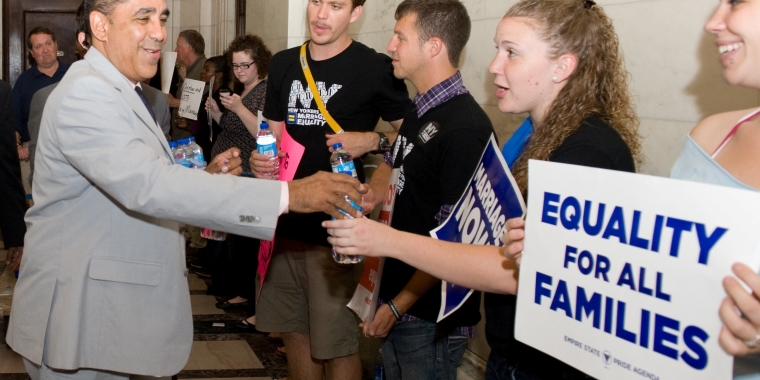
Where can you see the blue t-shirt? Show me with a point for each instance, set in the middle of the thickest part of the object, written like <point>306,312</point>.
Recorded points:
<point>27,84</point>
<point>514,147</point>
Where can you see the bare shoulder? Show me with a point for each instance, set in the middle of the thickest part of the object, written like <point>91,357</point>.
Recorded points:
<point>711,131</point>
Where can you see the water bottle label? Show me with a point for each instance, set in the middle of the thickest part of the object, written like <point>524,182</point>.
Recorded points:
<point>267,149</point>
<point>345,168</point>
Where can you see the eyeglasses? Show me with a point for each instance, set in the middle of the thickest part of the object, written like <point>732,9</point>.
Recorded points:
<point>243,66</point>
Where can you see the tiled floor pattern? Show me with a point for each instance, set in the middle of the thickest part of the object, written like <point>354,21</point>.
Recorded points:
<point>222,352</point>
<point>218,352</point>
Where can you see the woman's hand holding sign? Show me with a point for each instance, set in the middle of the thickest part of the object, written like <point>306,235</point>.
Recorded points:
<point>513,240</point>
<point>740,313</point>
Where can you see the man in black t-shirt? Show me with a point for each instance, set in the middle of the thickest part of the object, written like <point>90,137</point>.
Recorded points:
<point>305,292</point>
<point>437,150</point>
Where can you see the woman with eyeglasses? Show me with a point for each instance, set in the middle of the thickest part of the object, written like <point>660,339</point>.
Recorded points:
<point>249,58</point>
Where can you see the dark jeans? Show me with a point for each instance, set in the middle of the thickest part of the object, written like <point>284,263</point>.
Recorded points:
<point>420,350</point>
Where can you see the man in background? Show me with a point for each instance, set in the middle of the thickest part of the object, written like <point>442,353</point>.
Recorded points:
<point>190,55</point>
<point>45,70</point>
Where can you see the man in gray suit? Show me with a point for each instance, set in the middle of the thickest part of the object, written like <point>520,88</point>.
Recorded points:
<point>156,98</point>
<point>103,291</point>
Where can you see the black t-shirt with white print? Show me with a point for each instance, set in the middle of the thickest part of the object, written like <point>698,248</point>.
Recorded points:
<point>358,88</point>
<point>437,154</point>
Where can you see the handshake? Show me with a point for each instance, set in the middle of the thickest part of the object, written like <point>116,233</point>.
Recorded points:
<point>321,192</point>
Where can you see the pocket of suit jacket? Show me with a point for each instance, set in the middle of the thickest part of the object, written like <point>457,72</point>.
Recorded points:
<point>125,271</point>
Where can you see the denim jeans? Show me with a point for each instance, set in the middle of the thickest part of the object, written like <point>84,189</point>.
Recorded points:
<point>419,350</point>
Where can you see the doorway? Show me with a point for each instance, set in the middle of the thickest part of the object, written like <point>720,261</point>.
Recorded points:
<point>21,16</point>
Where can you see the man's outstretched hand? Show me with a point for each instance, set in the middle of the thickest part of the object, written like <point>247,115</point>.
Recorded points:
<point>325,192</point>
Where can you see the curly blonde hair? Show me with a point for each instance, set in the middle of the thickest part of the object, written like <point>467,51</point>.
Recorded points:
<point>598,86</point>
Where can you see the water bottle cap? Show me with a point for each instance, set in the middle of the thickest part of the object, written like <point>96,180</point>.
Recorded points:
<point>172,144</point>
<point>182,142</point>
<point>264,125</point>
<point>337,145</point>
<point>190,139</point>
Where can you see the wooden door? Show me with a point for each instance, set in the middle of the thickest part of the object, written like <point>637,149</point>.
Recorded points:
<point>21,16</point>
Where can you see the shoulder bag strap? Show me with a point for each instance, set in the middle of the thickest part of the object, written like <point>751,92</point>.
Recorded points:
<point>313,87</point>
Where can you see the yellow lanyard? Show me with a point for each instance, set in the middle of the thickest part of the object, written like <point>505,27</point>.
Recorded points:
<point>314,91</point>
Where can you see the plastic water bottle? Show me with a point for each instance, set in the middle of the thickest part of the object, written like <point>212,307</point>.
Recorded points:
<point>189,154</point>
<point>197,159</point>
<point>266,144</point>
<point>342,162</point>
<point>181,154</point>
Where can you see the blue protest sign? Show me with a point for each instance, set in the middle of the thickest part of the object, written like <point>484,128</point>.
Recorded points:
<point>480,216</point>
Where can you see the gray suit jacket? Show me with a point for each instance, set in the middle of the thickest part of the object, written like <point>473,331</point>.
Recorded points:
<point>35,118</point>
<point>156,99</point>
<point>103,281</point>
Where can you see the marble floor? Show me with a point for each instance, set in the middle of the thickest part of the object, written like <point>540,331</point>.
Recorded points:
<point>220,350</point>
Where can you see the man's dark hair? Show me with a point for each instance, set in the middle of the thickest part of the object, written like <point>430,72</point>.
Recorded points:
<point>445,19</point>
<point>83,25</point>
<point>254,46</point>
<point>82,19</point>
<point>39,30</point>
<point>105,7</point>
<point>194,39</point>
<point>357,3</point>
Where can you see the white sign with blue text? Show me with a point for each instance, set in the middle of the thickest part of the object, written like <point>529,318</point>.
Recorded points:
<point>621,273</point>
<point>480,216</point>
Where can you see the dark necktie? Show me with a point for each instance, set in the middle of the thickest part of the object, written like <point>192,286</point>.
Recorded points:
<point>145,101</point>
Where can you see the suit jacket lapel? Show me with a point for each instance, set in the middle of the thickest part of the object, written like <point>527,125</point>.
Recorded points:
<point>109,71</point>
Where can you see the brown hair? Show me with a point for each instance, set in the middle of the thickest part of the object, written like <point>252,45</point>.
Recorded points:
<point>598,86</point>
<point>357,3</point>
<point>445,19</point>
<point>39,30</point>
<point>254,46</point>
<point>194,39</point>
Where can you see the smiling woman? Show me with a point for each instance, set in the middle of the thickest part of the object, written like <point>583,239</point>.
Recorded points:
<point>141,29</point>
<point>722,150</point>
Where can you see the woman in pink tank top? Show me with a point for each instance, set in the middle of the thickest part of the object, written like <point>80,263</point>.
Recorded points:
<point>732,140</point>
